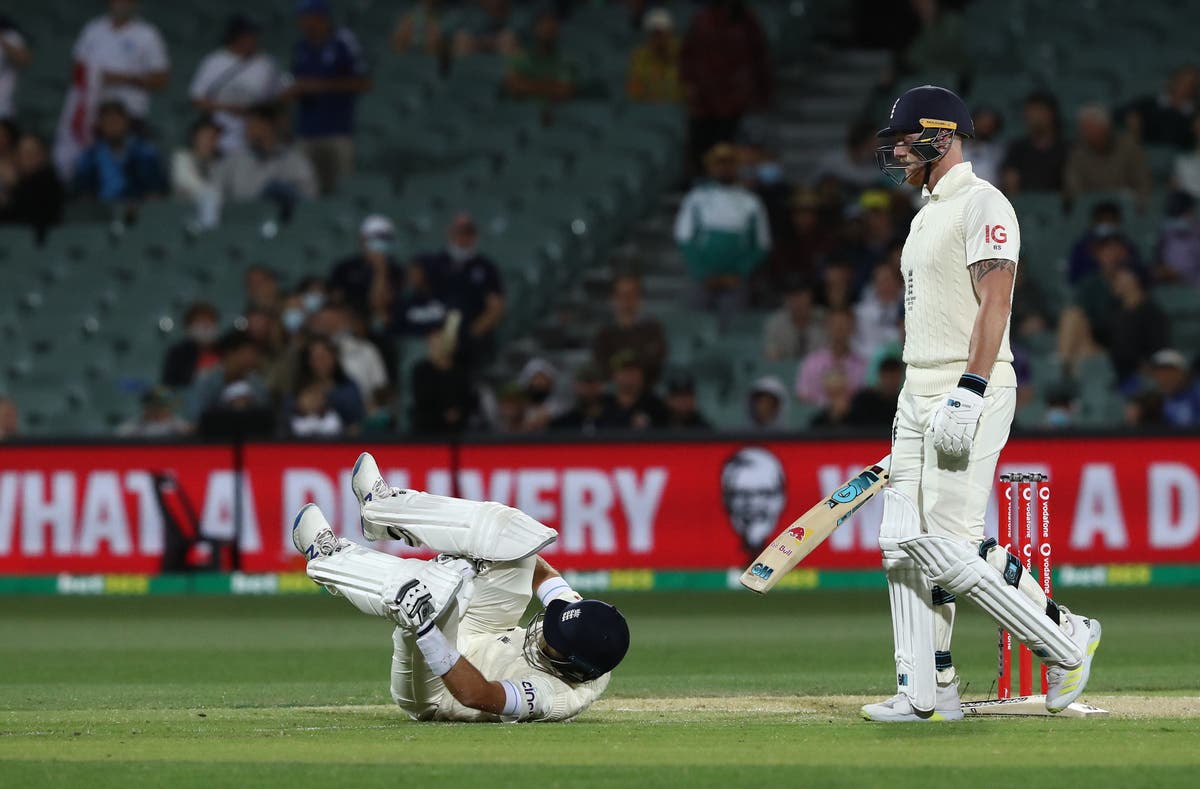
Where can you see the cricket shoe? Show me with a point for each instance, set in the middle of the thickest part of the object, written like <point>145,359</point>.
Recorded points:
<point>898,709</point>
<point>1065,685</point>
<point>312,535</point>
<point>369,485</point>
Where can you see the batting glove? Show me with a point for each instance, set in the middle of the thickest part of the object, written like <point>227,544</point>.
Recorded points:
<point>954,423</point>
<point>413,607</point>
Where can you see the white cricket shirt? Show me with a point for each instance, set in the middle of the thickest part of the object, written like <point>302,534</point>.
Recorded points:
<point>965,220</point>
<point>133,48</point>
<point>229,79</point>
<point>8,74</point>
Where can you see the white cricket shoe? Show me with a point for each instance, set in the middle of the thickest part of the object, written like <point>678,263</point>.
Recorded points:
<point>312,535</point>
<point>897,709</point>
<point>1065,685</point>
<point>369,485</point>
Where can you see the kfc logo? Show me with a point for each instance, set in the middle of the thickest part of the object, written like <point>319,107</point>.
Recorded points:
<point>995,233</point>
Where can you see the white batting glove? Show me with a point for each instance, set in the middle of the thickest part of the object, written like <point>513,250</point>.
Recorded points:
<point>954,423</point>
<point>413,607</point>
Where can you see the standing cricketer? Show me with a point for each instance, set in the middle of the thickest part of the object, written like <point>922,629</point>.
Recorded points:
<point>952,420</point>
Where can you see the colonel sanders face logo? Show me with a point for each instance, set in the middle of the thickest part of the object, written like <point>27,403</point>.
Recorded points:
<point>753,490</point>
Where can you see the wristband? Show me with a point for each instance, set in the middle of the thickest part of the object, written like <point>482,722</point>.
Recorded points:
<point>554,587</point>
<point>973,383</point>
<point>439,654</point>
<point>512,699</point>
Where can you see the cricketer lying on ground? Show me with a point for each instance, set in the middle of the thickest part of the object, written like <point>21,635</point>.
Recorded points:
<point>459,653</point>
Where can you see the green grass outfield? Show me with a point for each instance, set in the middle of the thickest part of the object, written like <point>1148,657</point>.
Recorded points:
<point>719,689</point>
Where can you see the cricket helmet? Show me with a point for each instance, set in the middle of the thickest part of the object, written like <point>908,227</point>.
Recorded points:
<point>587,639</point>
<point>937,114</point>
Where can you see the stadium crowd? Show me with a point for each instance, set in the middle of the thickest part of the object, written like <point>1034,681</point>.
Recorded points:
<point>816,253</point>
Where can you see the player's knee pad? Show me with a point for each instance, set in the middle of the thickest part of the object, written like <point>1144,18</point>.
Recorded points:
<point>911,597</point>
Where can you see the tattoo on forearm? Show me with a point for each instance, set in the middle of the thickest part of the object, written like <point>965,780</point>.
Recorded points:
<point>981,268</point>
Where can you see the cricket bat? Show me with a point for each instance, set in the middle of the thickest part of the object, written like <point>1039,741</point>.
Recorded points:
<point>810,530</point>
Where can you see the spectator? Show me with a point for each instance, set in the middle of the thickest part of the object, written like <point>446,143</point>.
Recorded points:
<point>1037,162</point>
<point>157,418</point>
<point>1145,410</point>
<point>10,136</point>
<point>489,31</point>
<point>1095,292</point>
<point>1060,409</point>
<point>1180,392</point>
<point>984,151</point>
<point>193,172</point>
<point>1179,242</point>
<point>1104,160</point>
<point>1185,172</point>
<point>632,328</point>
<point>421,29</point>
<point>630,405</point>
<point>330,71</point>
<point>462,278</point>
<point>371,283</point>
<point>235,78</point>
<point>197,352</point>
<point>1166,119</point>
<point>539,381</point>
<point>542,72</point>
<point>34,196</point>
<point>766,404</point>
<point>313,294</point>
<point>854,165</point>
<point>120,167</point>
<point>940,39</point>
<point>443,399</point>
<point>359,357</point>
<point>1138,328</point>
<point>838,397</point>
<point>312,415</point>
<point>682,412</point>
<point>760,171</point>
<point>795,329</point>
<point>875,406</point>
<point>726,70</point>
<point>10,419</point>
<point>836,354</point>
<point>320,368</point>
<point>267,168</point>
<point>879,314</point>
<point>589,408</point>
<point>1106,224</point>
<point>120,58</point>
<point>805,242</point>
<point>14,55</point>
<point>238,414</point>
<point>261,286</point>
<point>871,235</point>
<point>654,65</point>
<point>264,328</point>
<point>722,231</point>
<point>215,390</point>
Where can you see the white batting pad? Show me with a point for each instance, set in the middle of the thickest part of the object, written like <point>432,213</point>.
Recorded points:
<point>370,580</point>
<point>955,566</point>
<point>475,529</point>
<point>911,596</point>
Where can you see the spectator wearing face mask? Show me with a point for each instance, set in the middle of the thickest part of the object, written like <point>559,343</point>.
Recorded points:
<point>371,283</point>
<point>261,285</point>
<point>585,415</point>
<point>359,357</point>
<point>539,381</point>
<point>1106,224</point>
<point>195,353</point>
<point>766,404</point>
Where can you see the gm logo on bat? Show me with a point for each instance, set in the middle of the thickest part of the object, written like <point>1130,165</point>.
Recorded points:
<point>762,571</point>
<point>853,489</point>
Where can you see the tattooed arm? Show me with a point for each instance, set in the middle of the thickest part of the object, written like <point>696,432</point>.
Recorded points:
<point>993,281</point>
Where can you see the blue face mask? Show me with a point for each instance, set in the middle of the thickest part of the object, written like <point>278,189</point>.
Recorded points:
<point>293,319</point>
<point>313,301</point>
<point>770,173</point>
<point>380,246</point>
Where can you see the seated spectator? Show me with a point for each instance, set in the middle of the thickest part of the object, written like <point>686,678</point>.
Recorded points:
<point>1037,161</point>
<point>462,278</point>
<point>796,328</point>
<point>319,367</point>
<point>1138,328</point>
<point>630,405</point>
<point>542,72</point>
<point>875,406</point>
<point>838,397</point>
<point>589,407</point>
<point>157,418</point>
<point>1106,224</point>
<point>872,235</point>
<point>510,412</point>
<point>267,168</point>
<point>682,411</point>
<point>1145,409</point>
<point>14,55</point>
<point>1061,409</point>
<point>211,390</point>
<point>879,314</point>
<point>311,414</point>
<point>654,65</point>
<point>1166,119</point>
<point>239,413</point>
<point>837,285</point>
<point>10,419</point>
<point>330,72</point>
<point>804,241</point>
<point>443,399</point>
<point>313,294</point>
<point>631,328</point>
<point>10,135</point>
<point>761,171</point>
<point>766,404</point>
<point>197,352</point>
<point>34,196</point>
<point>1179,243</point>
<point>261,286</point>
<point>265,329</point>
<point>539,381</point>
<point>984,151</point>
<point>1185,171</point>
<point>489,31</point>
<point>1175,383</point>
<point>371,283</point>
<point>1096,292</point>
<point>357,356</point>
<point>1105,160</point>
<point>235,78</point>
<point>722,232</point>
<point>854,165</point>
<point>941,39</point>
<point>836,354</point>
<point>120,167</point>
<point>193,172</point>
<point>420,28</point>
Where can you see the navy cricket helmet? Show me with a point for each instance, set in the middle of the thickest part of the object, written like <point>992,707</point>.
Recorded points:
<point>936,114</point>
<point>587,638</point>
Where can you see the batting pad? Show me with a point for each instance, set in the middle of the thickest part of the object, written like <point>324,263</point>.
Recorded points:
<point>370,579</point>
<point>475,529</point>
<point>911,596</point>
<point>953,565</point>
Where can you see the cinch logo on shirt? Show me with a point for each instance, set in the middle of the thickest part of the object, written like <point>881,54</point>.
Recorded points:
<point>995,233</point>
<point>530,693</point>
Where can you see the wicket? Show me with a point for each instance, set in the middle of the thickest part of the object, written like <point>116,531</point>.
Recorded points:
<point>1031,544</point>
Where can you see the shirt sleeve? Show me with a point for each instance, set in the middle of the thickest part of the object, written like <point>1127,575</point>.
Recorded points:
<point>156,51</point>
<point>550,700</point>
<point>354,59</point>
<point>201,79</point>
<point>990,228</point>
<point>684,227</point>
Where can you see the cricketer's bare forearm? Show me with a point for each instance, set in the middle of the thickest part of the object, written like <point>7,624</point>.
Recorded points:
<point>542,571</point>
<point>993,281</point>
<point>471,689</point>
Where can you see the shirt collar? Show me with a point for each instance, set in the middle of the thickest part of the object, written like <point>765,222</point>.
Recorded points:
<point>954,179</point>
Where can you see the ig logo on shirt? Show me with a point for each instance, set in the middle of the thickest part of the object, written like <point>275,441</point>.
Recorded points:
<point>995,235</point>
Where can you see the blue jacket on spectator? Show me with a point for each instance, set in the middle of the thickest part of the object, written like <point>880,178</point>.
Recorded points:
<point>132,173</point>
<point>338,57</point>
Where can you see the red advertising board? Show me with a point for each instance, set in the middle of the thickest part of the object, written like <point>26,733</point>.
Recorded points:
<point>669,505</point>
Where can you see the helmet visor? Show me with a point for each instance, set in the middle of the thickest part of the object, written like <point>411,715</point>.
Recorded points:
<point>930,144</point>
<point>543,657</point>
